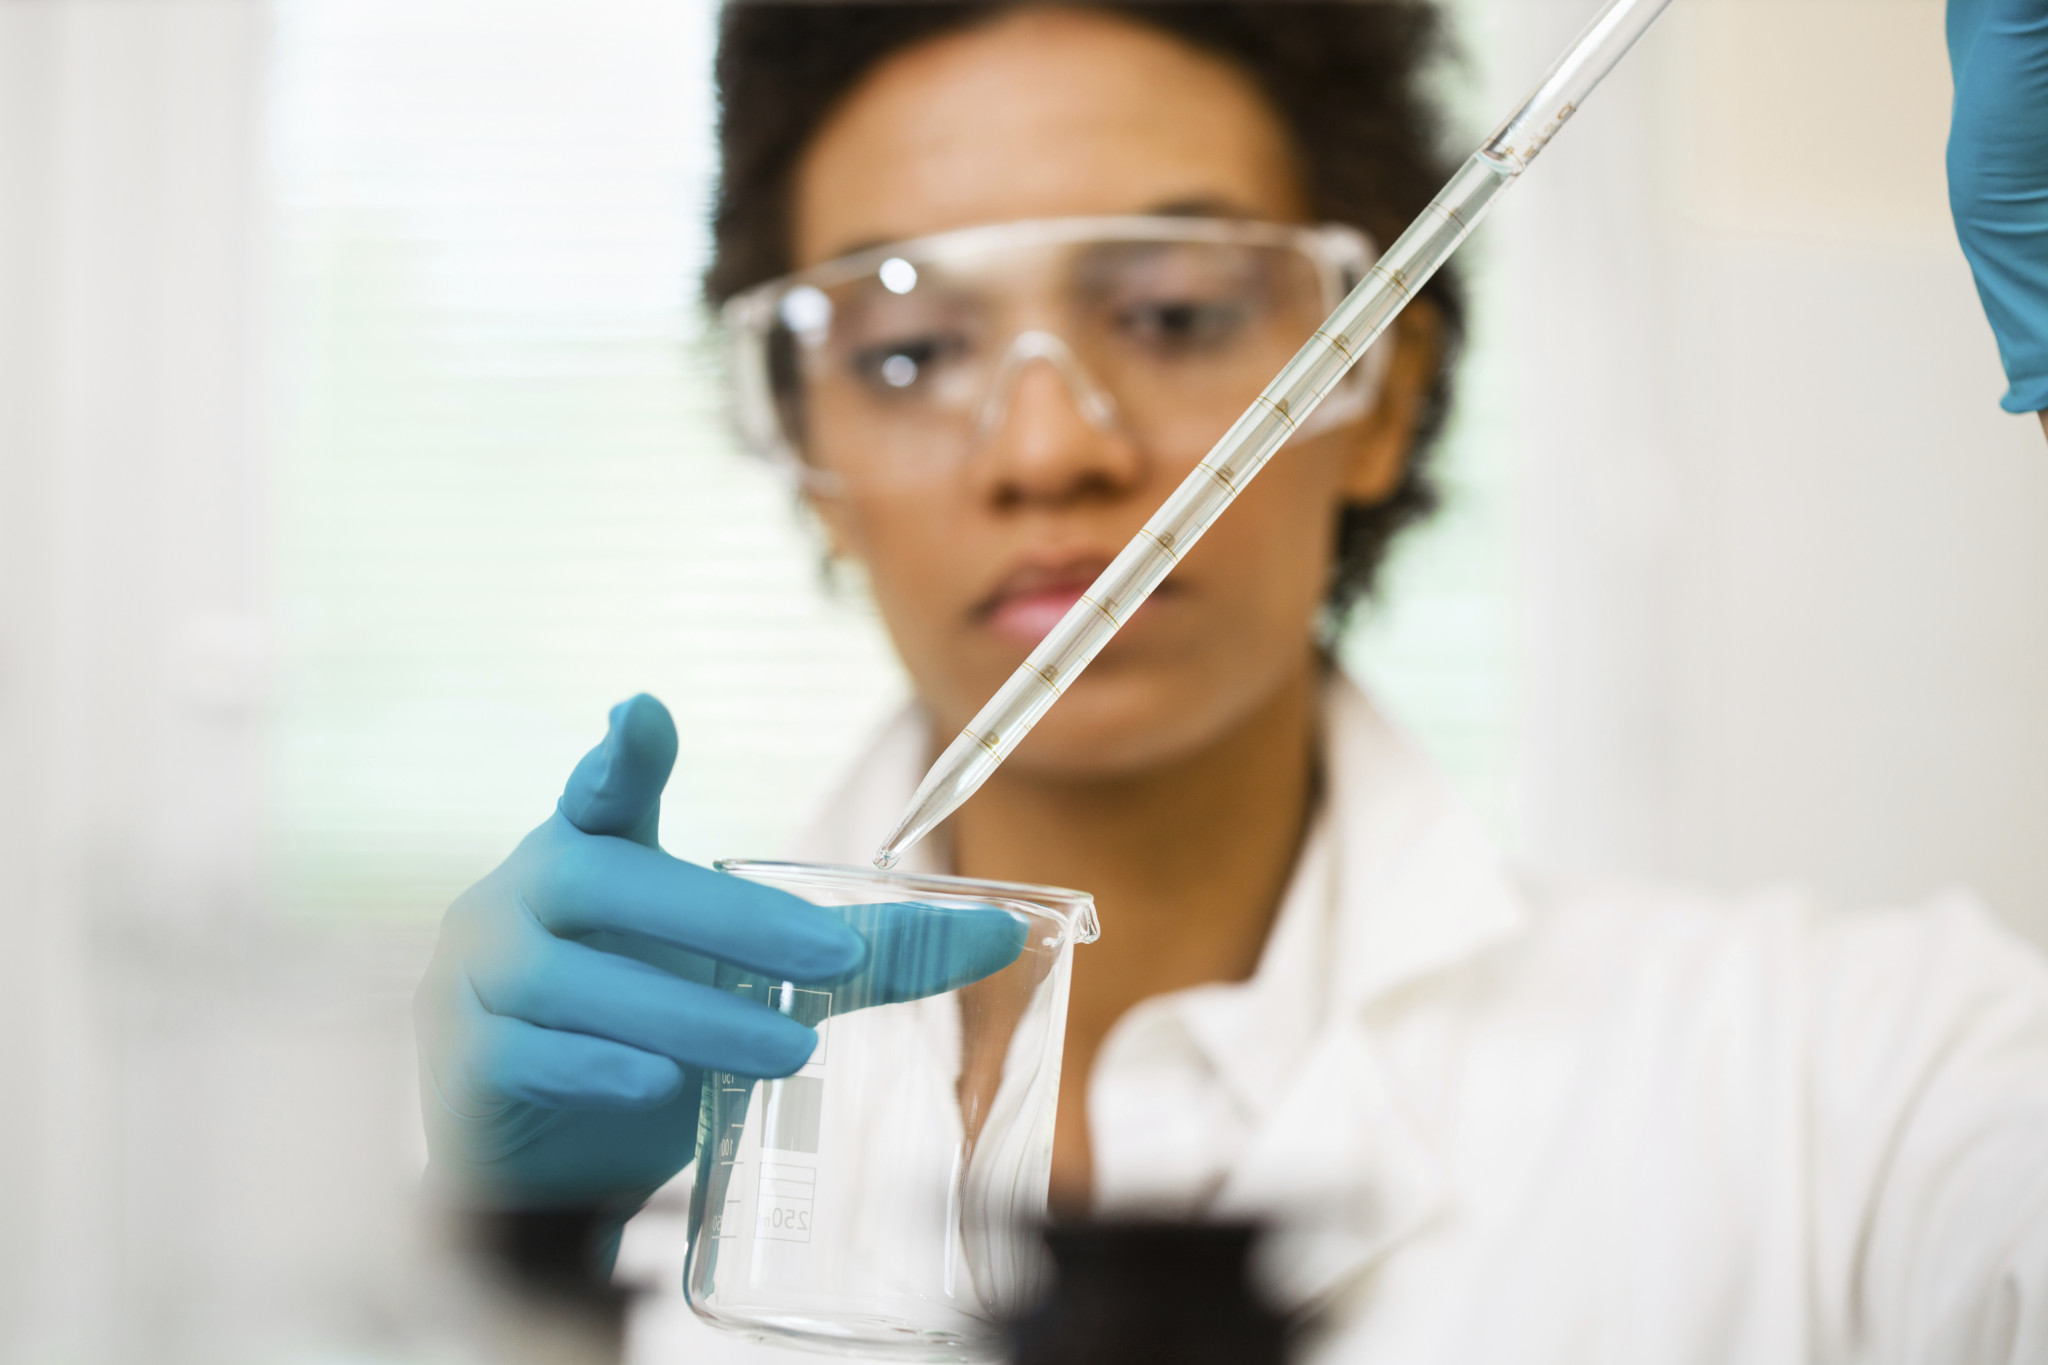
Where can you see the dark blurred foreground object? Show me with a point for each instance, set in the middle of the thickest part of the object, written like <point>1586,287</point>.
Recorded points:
<point>553,1265</point>
<point>1151,1294</point>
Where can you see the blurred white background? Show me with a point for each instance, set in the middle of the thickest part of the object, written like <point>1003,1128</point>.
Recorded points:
<point>1781,564</point>
<point>360,444</point>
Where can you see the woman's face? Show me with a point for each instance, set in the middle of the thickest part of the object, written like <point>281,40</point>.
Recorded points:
<point>1053,113</point>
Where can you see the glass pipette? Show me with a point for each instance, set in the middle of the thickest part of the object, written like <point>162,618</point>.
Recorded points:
<point>1265,426</point>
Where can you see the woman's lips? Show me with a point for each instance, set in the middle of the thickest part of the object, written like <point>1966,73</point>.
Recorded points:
<point>1030,616</point>
<point>1030,601</point>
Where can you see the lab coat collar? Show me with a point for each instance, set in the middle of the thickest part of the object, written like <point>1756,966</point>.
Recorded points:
<point>1262,1029</point>
<point>1419,886</point>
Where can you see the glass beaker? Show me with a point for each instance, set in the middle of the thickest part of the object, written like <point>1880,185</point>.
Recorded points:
<point>884,1200</point>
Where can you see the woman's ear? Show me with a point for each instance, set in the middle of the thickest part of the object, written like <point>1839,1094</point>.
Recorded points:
<point>840,571</point>
<point>834,521</point>
<point>1385,435</point>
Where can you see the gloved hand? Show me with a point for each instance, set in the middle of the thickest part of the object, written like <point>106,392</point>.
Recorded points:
<point>1998,177</point>
<point>568,1015</point>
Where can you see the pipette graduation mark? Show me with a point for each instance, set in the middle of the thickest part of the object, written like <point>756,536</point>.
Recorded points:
<point>1274,415</point>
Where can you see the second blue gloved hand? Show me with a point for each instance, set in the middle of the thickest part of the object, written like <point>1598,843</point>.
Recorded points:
<point>1998,177</point>
<point>568,1013</point>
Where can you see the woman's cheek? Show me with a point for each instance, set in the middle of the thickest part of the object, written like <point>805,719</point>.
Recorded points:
<point>1279,540</point>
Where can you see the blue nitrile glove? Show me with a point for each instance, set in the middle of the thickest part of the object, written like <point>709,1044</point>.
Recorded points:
<point>568,1014</point>
<point>1998,177</point>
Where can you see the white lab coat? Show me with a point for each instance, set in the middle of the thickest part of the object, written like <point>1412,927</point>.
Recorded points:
<point>1514,1120</point>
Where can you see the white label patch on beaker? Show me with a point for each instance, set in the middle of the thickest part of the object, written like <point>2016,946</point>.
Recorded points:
<point>793,1110</point>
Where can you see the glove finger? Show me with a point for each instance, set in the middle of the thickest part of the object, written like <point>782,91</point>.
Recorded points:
<point>577,990</point>
<point>513,1060</point>
<point>616,788</point>
<point>913,951</point>
<point>918,950</point>
<point>591,886</point>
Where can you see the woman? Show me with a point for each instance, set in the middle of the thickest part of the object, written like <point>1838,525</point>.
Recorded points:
<point>1538,1122</point>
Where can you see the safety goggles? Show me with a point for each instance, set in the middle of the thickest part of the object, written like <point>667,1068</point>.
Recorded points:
<point>896,365</point>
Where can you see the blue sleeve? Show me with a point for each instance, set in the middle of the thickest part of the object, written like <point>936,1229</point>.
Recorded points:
<point>1998,178</point>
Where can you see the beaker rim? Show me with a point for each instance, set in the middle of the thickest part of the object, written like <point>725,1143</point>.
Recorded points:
<point>1073,910</point>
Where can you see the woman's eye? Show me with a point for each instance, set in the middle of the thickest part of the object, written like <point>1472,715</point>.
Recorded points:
<point>894,366</point>
<point>1179,325</point>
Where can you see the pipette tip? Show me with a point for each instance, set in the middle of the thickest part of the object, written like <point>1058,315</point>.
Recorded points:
<point>886,858</point>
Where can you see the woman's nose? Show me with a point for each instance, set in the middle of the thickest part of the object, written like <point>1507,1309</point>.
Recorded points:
<point>1048,432</point>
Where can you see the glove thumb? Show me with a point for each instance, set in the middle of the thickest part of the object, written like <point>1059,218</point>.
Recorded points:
<point>616,789</point>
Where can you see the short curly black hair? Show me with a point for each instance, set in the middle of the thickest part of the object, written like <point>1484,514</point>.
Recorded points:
<point>1351,80</point>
